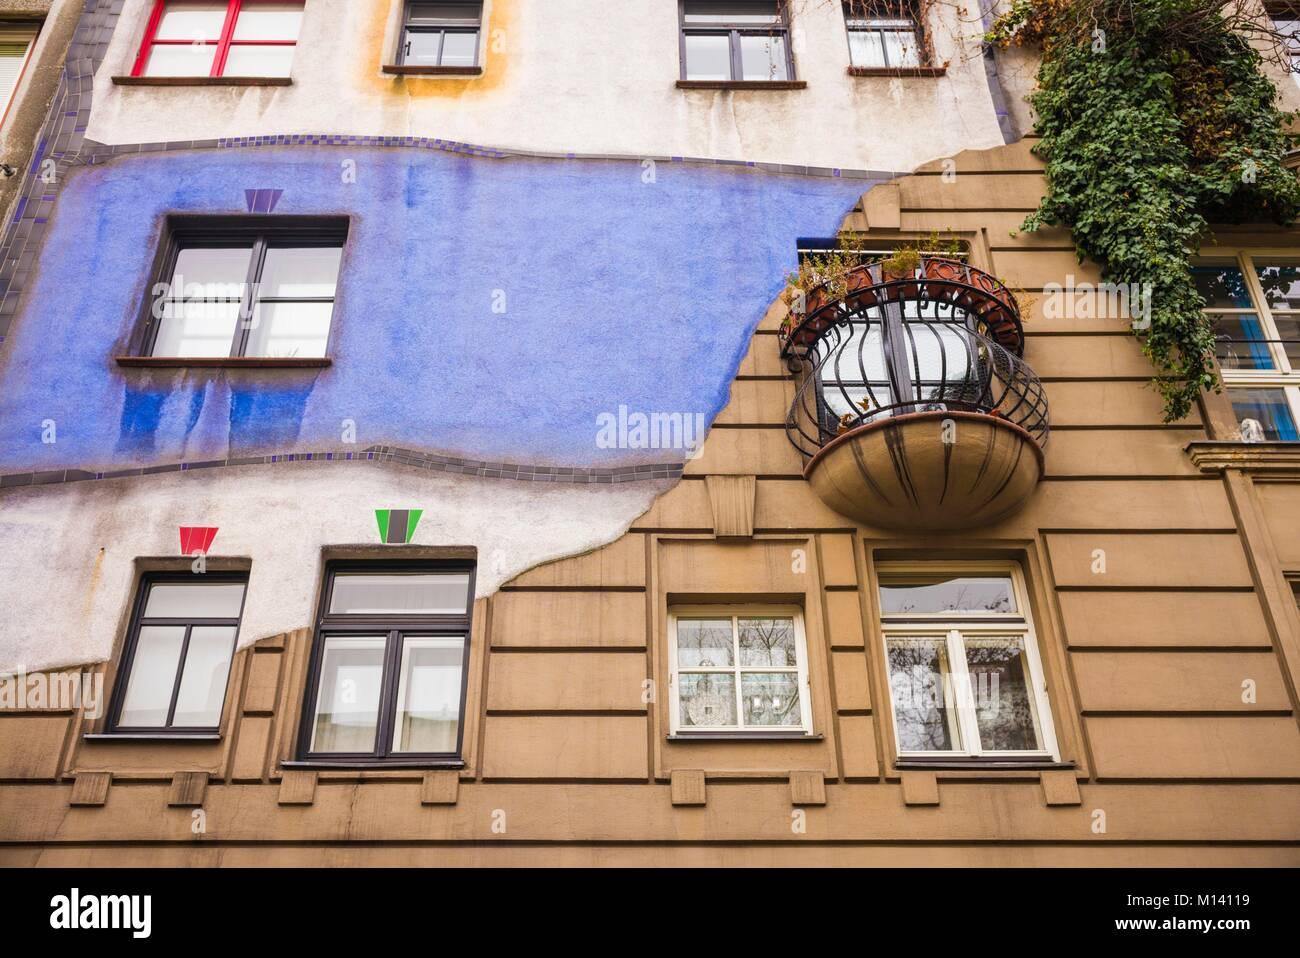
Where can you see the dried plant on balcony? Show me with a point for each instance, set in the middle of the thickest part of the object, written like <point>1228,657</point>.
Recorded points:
<point>1156,120</point>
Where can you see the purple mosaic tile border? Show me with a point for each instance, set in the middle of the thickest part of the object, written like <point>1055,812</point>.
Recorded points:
<point>453,465</point>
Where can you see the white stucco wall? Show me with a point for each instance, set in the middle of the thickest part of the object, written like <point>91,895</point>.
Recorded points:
<point>577,76</point>
<point>68,563</point>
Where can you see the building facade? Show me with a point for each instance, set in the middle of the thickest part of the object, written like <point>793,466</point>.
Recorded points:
<point>410,458</point>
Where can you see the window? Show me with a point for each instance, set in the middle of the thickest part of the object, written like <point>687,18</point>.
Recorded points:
<point>441,34</point>
<point>388,673</point>
<point>176,662</point>
<point>964,674</point>
<point>735,41</point>
<point>16,42</point>
<point>883,34</point>
<point>738,670</point>
<point>220,38</point>
<point>253,287</point>
<point>1285,15</point>
<point>1254,302</point>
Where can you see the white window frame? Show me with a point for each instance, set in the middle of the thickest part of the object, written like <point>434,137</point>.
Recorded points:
<point>1284,375</point>
<point>740,612</point>
<point>954,628</point>
<point>17,34</point>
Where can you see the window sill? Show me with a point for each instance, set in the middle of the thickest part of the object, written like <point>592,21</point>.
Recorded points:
<point>745,737</point>
<point>742,84</point>
<point>202,81</point>
<point>897,71</point>
<point>152,737</point>
<point>1216,455</point>
<point>317,765</point>
<point>225,362</point>
<point>401,69</point>
<point>980,764</point>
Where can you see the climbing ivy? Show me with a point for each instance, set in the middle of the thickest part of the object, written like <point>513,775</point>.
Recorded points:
<point>1156,120</point>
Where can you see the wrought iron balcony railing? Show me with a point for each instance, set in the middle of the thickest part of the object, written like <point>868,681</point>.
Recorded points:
<point>946,339</point>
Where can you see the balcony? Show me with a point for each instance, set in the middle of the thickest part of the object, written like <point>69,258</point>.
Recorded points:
<point>913,408</point>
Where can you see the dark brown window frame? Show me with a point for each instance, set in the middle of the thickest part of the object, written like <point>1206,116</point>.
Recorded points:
<point>395,627</point>
<point>915,10</point>
<point>127,659</point>
<point>734,31</point>
<point>443,27</point>
<point>189,231</point>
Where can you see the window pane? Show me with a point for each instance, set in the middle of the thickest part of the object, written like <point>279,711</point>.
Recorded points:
<point>422,48</point>
<point>443,12</point>
<point>440,593</point>
<point>708,57</point>
<point>194,600</point>
<point>860,357</point>
<point>763,58</point>
<point>944,352</point>
<point>1223,286</point>
<point>918,676</point>
<point>1004,711</point>
<point>866,49</point>
<point>459,49</point>
<point>771,698</point>
<point>428,694</point>
<point>758,11</point>
<point>347,707</point>
<point>901,48</point>
<point>299,272</point>
<point>1239,343</point>
<point>192,21</point>
<point>268,21</point>
<point>1269,408</point>
<point>210,273</point>
<point>181,60</point>
<point>767,642</point>
<point>259,61</point>
<point>946,593</point>
<point>196,329</point>
<point>1281,283</point>
<point>1288,329</point>
<point>286,330</point>
<point>704,643</point>
<point>707,699</point>
<point>153,676</point>
<point>203,681</point>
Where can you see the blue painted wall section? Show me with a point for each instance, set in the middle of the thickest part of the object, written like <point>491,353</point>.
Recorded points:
<point>616,292</point>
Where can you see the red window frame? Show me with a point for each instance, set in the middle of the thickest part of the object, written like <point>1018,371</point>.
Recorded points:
<point>223,43</point>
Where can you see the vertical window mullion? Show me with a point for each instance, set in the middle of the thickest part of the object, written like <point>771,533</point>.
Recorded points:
<point>151,31</point>
<point>963,693</point>
<point>180,673</point>
<point>223,42</point>
<point>248,301</point>
<point>387,718</point>
<point>736,671</point>
<point>737,64</point>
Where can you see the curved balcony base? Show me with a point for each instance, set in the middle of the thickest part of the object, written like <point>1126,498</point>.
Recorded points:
<point>928,471</point>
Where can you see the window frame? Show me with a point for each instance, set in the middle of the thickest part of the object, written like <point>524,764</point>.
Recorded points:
<point>225,39</point>
<point>259,232</point>
<point>396,627</point>
<point>442,27</point>
<point>908,10</point>
<point>16,32</point>
<point>805,730</point>
<point>1285,374</point>
<point>734,31</point>
<point>952,627</point>
<point>126,662</point>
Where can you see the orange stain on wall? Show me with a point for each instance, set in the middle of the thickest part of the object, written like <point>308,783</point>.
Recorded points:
<point>501,14</point>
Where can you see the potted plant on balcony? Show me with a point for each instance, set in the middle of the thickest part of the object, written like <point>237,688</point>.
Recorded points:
<point>821,279</point>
